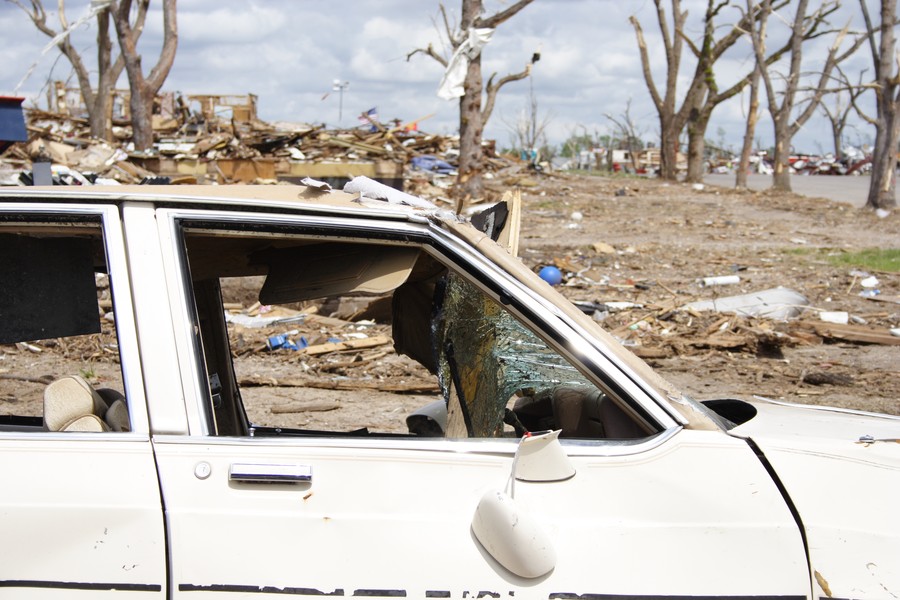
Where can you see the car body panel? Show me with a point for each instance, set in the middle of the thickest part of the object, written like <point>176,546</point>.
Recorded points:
<point>395,520</point>
<point>841,470</point>
<point>80,512</point>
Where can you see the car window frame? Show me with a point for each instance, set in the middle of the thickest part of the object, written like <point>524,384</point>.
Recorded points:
<point>123,307</point>
<point>534,312</point>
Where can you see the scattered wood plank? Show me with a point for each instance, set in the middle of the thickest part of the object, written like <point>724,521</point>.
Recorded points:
<point>326,321</point>
<point>890,299</point>
<point>40,380</point>
<point>650,352</point>
<point>310,406</point>
<point>850,333</point>
<point>372,342</point>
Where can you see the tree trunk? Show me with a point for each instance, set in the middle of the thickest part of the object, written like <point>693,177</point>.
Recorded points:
<point>108,74</point>
<point>836,134</point>
<point>740,181</point>
<point>469,182</point>
<point>882,185</point>
<point>781,178</point>
<point>696,166</point>
<point>668,150</point>
<point>141,105</point>
<point>98,118</point>
<point>883,182</point>
<point>144,89</point>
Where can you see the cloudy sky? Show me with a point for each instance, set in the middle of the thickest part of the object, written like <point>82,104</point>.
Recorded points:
<point>288,52</point>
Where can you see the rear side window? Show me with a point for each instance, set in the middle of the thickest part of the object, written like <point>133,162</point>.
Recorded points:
<point>59,353</point>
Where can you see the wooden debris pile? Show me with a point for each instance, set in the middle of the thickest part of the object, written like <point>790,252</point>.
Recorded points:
<point>329,353</point>
<point>198,142</point>
<point>663,332</point>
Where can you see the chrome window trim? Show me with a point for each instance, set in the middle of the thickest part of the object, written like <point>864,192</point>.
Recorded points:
<point>478,447</point>
<point>117,263</point>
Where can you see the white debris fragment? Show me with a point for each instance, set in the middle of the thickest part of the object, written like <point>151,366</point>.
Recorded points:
<point>322,186</point>
<point>776,303</point>
<point>869,282</point>
<point>378,191</point>
<point>839,317</point>
<point>720,280</point>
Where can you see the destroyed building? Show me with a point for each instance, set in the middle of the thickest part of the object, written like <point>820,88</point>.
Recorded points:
<point>218,139</point>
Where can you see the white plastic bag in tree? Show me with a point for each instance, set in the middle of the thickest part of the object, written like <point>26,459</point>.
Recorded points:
<point>452,83</point>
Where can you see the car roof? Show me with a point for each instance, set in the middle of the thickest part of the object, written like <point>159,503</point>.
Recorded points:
<point>290,198</point>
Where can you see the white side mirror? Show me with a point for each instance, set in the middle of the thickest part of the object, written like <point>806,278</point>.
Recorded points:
<point>542,458</point>
<point>512,537</point>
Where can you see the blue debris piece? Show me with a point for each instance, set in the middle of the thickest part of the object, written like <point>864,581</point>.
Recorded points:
<point>428,162</point>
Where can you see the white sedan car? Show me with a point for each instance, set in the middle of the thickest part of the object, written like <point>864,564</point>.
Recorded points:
<point>551,464</point>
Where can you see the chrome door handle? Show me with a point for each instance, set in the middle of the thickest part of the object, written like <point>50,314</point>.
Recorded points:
<point>265,473</point>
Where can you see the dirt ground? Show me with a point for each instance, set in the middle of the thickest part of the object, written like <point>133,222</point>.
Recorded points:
<point>616,240</point>
<point>648,243</point>
<point>666,237</point>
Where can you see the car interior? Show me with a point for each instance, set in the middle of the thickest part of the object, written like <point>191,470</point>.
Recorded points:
<point>56,300</point>
<point>496,378</point>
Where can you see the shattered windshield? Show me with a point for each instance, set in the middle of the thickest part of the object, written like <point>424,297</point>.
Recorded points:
<point>486,358</point>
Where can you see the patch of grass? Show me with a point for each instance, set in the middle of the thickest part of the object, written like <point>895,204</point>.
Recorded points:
<point>88,372</point>
<point>803,251</point>
<point>873,259</point>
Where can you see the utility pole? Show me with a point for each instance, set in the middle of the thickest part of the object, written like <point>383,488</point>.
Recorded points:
<point>339,86</point>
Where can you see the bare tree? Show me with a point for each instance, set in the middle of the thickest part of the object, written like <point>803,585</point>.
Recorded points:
<point>882,186</point>
<point>703,94</point>
<point>96,102</point>
<point>529,129</point>
<point>628,134</point>
<point>472,116</point>
<point>740,181</point>
<point>144,88</point>
<point>839,110</point>
<point>670,122</point>
<point>789,115</point>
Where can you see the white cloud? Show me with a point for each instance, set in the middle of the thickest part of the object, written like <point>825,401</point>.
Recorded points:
<point>289,51</point>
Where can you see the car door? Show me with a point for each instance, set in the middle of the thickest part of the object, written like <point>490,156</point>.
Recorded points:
<point>80,510</point>
<point>665,513</point>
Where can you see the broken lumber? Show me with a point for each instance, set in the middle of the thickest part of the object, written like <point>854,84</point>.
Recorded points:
<point>310,406</point>
<point>848,333</point>
<point>378,340</point>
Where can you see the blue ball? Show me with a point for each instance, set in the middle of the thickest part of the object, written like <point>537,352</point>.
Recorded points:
<point>551,275</point>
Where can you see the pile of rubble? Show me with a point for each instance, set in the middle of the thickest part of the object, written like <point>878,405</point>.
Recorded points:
<point>220,139</point>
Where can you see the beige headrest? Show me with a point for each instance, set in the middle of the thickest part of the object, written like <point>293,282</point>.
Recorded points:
<point>89,423</point>
<point>117,416</point>
<point>69,398</point>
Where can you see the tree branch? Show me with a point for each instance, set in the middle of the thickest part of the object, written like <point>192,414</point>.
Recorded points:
<point>492,88</point>
<point>170,44</point>
<point>454,39</point>
<point>498,18</point>
<point>831,61</point>
<point>645,62</point>
<point>430,52</point>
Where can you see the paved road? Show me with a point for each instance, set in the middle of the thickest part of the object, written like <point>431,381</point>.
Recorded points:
<point>852,189</point>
